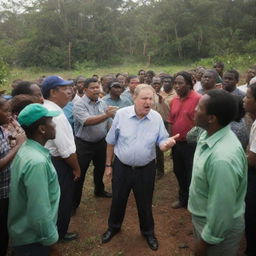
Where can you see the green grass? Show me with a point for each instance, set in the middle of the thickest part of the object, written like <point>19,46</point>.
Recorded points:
<point>34,73</point>
<point>31,74</point>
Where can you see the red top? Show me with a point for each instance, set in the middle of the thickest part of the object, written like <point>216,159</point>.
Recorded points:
<point>182,112</point>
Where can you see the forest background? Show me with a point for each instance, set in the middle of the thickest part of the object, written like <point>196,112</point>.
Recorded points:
<point>88,34</point>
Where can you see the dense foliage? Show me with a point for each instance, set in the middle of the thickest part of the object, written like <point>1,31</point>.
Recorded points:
<point>63,33</point>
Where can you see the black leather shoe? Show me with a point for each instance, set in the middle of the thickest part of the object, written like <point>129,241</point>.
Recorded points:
<point>152,242</point>
<point>69,237</point>
<point>103,194</point>
<point>107,236</point>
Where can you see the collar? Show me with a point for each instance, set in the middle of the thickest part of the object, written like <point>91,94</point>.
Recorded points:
<point>52,104</point>
<point>132,114</point>
<point>210,141</point>
<point>34,144</point>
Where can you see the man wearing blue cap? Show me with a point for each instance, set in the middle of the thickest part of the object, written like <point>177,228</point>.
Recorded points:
<point>57,92</point>
<point>34,189</point>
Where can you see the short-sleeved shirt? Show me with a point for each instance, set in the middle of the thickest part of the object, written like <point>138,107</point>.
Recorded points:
<point>182,112</point>
<point>5,173</point>
<point>84,109</point>
<point>64,144</point>
<point>135,139</point>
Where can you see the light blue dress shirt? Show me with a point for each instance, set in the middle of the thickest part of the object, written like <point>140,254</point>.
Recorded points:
<point>135,139</point>
<point>121,102</point>
<point>127,94</point>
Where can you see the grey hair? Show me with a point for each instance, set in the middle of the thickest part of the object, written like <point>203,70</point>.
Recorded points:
<point>141,87</point>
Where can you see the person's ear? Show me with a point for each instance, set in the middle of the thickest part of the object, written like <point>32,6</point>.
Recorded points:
<point>41,129</point>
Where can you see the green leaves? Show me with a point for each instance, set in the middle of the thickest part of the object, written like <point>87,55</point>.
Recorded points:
<point>55,33</point>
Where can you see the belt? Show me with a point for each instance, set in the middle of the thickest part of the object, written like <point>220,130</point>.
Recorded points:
<point>137,167</point>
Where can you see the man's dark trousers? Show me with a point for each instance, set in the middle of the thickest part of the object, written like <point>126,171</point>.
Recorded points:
<point>87,152</point>
<point>35,249</point>
<point>182,155</point>
<point>250,213</point>
<point>141,181</point>
<point>65,177</point>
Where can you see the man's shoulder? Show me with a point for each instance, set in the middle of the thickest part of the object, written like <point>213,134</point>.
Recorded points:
<point>195,95</point>
<point>154,114</point>
<point>106,97</point>
<point>28,155</point>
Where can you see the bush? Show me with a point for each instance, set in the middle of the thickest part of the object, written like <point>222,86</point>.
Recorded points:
<point>4,72</point>
<point>231,61</point>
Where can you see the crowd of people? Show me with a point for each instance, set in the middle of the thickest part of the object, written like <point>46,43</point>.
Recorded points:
<point>52,130</point>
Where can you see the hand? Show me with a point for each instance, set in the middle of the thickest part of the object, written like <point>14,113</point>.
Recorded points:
<point>20,138</point>
<point>200,248</point>
<point>108,172</point>
<point>111,111</point>
<point>170,142</point>
<point>76,174</point>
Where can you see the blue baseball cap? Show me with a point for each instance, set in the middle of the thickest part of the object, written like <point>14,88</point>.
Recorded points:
<point>51,82</point>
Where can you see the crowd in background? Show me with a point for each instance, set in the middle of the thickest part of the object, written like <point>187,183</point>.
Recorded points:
<point>82,111</point>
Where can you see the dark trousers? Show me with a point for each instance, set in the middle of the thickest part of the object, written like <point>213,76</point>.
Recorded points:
<point>141,181</point>
<point>31,250</point>
<point>159,162</point>
<point>4,238</point>
<point>182,155</point>
<point>87,152</point>
<point>65,177</point>
<point>250,213</point>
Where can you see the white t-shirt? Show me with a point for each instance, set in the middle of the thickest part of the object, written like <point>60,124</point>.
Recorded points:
<point>197,86</point>
<point>243,87</point>
<point>64,144</point>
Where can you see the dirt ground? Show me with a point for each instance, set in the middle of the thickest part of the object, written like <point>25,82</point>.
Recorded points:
<point>173,227</point>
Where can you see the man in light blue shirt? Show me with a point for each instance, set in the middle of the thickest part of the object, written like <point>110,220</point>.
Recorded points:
<point>113,98</point>
<point>135,132</point>
<point>133,81</point>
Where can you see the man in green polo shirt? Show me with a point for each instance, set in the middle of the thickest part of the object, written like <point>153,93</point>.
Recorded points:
<point>34,187</point>
<point>219,178</point>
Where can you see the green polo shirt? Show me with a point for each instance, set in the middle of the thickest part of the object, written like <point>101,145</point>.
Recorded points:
<point>218,185</point>
<point>34,197</point>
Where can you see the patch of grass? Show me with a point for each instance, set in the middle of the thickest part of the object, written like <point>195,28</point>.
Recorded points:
<point>34,73</point>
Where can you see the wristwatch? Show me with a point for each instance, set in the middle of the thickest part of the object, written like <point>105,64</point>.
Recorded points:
<point>108,165</point>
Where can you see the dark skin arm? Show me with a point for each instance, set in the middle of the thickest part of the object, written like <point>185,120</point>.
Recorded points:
<point>73,163</point>
<point>251,157</point>
<point>110,112</point>
<point>11,154</point>
<point>109,157</point>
